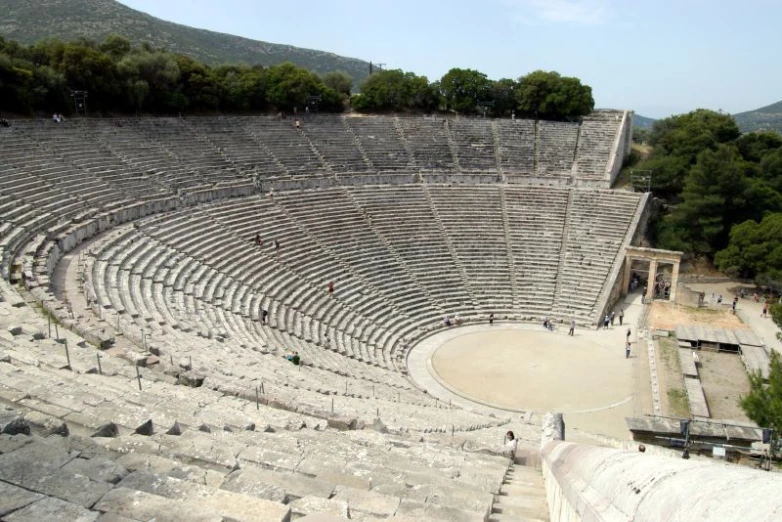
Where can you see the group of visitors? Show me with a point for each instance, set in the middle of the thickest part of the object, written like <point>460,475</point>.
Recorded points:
<point>548,324</point>
<point>57,117</point>
<point>457,321</point>
<point>294,358</point>
<point>611,317</point>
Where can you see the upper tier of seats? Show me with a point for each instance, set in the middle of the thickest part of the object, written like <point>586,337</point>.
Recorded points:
<point>169,154</point>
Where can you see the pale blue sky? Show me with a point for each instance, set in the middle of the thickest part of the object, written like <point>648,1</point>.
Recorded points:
<point>654,57</point>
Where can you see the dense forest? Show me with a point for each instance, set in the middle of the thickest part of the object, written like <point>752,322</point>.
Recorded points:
<point>721,193</point>
<point>121,78</point>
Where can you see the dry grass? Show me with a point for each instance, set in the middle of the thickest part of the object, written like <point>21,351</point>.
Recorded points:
<point>675,401</point>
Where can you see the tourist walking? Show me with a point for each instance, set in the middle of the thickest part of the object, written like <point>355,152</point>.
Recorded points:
<point>572,326</point>
<point>491,318</point>
<point>605,322</point>
<point>629,332</point>
<point>765,310</point>
<point>331,287</point>
<point>621,317</point>
<point>511,443</point>
<point>627,350</point>
<point>613,314</point>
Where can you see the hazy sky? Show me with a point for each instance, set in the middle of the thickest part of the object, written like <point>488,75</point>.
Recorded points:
<point>657,57</point>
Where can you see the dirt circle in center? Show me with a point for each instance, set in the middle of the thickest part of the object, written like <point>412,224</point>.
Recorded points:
<point>539,371</point>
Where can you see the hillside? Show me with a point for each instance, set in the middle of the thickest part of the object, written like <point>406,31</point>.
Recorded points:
<point>642,122</point>
<point>30,21</point>
<point>765,118</point>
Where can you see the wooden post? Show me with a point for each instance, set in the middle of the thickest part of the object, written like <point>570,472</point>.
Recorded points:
<point>332,405</point>
<point>49,320</point>
<point>257,400</point>
<point>100,369</point>
<point>138,376</point>
<point>67,354</point>
<point>56,331</point>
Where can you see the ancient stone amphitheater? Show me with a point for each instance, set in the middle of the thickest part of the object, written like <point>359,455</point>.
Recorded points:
<point>139,380</point>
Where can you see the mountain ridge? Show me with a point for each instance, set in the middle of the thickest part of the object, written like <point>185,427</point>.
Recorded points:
<point>764,118</point>
<point>29,22</point>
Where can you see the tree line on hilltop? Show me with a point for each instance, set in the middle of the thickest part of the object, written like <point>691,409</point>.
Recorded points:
<point>123,78</point>
<point>721,193</point>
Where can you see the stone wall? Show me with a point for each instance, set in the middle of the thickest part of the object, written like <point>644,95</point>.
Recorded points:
<point>605,484</point>
<point>622,145</point>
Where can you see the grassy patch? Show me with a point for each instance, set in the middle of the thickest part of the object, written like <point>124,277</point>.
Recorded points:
<point>669,354</point>
<point>678,404</point>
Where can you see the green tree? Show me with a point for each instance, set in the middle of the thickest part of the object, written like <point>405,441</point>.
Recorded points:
<point>86,68</point>
<point>676,143</point>
<point>340,81</point>
<point>770,169</point>
<point>116,46</point>
<point>503,95</point>
<point>689,134</point>
<point>290,86</point>
<point>754,146</point>
<point>151,78</point>
<point>754,249</point>
<point>714,197</point>
<point>763,403</point>
<point>462,89</point>
<point>547,95</point>
<point>387,90</point>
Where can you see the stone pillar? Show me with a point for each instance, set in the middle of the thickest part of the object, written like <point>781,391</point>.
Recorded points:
<point>674,280</point>
<point>626,278</point>
<point>553,428</point>
<point>651,280</point>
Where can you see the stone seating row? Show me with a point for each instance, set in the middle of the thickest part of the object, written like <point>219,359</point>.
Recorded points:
<point>154,309</point>
<point>280,462</point>
<point>475,144</point>
<point>382,337</point>
<point>144,156</point>
<point>592,246</point>
<point>594,148</point>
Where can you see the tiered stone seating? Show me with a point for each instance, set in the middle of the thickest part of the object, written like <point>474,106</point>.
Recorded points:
<point>77,145</point>
<point>516,146</point>
<point>595,143</point>
<point>475,144</point>
<point>472,219</point>
<point>335,144</point>
<point>85,444</point>
<point>537,221</point>
<point>598,223</point>
<point>427,139</point>
<point>235,144</point>
<point>288,146</point>
<point>136,143</point>
<point>380,140</point>
<point>176,289</point>
<point>418,242</point>
<point>556,148</point>
<point>191,148</point>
